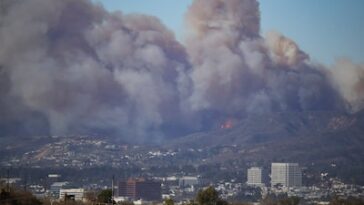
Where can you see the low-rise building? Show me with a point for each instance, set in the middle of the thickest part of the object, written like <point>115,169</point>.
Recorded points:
<point>188,181</point>
<point>55,188</point>
<point>71,194</point>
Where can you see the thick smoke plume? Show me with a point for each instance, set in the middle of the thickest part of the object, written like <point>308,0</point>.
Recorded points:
<point>82,69</point>
<point>236,71</point>
<point>71,67</point>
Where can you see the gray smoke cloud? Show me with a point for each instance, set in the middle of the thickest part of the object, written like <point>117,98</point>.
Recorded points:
<point>84,69</point>
<point>69,67</point>
<point>349,80</point>
<point>237,71</point>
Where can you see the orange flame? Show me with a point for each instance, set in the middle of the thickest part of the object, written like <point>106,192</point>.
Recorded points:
<point>228,124</point>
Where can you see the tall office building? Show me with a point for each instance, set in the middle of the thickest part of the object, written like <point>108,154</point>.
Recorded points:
<point>286,174</point>
<point>254,176</point>
<point>140,189</point>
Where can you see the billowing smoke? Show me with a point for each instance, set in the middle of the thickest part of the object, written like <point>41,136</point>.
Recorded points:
<point>349,80</point>
<point>86,70</point>
<point>237,71</point>
<point>70,67</point>
<point>284,51</point>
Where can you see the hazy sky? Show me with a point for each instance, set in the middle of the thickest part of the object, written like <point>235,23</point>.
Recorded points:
<point>326,29</point>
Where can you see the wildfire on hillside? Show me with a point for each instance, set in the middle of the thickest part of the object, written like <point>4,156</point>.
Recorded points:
<point>228,124</point>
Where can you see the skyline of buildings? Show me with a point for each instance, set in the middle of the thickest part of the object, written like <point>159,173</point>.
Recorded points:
<point>139,188</point>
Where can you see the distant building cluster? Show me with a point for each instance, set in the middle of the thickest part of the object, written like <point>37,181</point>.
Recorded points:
<point>182,184</point>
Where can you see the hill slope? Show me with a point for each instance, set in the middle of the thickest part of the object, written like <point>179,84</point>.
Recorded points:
<point>298,136</point>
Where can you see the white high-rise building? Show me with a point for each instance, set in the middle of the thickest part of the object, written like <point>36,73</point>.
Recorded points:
<point>254,176</point>
<point>286,174</point>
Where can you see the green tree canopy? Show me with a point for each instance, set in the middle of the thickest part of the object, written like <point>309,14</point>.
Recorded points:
<point>209,196</point>
<point>168,202</point>
<point>105,196</point>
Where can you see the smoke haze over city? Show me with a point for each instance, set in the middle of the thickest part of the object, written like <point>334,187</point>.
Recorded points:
<point>73,67</point>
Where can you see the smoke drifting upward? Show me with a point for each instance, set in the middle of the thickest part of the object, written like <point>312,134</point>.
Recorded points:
<point>69,67</point>
<point>236,71</point>
<point>87,70</point>
<point>349,80</point>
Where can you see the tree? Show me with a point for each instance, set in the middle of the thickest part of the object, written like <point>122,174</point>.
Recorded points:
<point>17,197</point>
<point>126,203</point>
<point>168,202</point>
<point>290,201</point>
<point>105,196</point>
<point>349,201</point>
<point>209,196</point>
<point>91,196</point>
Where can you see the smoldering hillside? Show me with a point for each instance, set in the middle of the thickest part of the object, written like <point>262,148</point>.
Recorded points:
<point>71,67</point>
